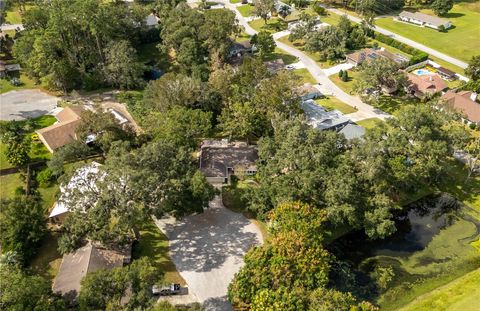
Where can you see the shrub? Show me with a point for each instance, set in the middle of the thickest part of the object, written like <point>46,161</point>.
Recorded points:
<point>45,178</point>
<point>417,55</point>
<point>473,126</point>
<point>340,73</point>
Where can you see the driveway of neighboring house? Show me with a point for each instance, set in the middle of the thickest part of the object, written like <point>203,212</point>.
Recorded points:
<point>208,250</point>
<point>26,104</point>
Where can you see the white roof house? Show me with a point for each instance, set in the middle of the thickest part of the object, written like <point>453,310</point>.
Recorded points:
<point>424,20</point>
<point>83,181</point>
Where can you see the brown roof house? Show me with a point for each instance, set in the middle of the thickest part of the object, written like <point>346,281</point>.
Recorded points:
<point>359,57</point>
<point>89,258</point>
<point>464,102</point>
<point>425,85</point>
<point>219,160</point>
<point>62,132</point>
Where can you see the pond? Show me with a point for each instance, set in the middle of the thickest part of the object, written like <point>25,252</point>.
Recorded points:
<point>434,242</point>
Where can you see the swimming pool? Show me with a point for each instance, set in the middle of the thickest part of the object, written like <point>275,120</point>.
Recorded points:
<point>422,72</point>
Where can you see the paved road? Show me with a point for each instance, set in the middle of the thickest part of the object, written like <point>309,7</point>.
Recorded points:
<point>412,43</point>
<point>326,86</point>
<point>208,250</point>
<point>25,104</point>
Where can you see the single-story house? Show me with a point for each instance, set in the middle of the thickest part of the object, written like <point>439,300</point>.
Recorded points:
<point>446,74</point>
<point>82,180</point>
<point>238,49</point>
<point>219,160</point>
<point>89,258</point>
<point>356,58</point>
<point>463,102</point>
<point>319,118</point>
<point>5,68</point>
<point>351,131</point>
<point>309,91</point>
<point>62,132</point>
<point>424,20</point>
<point>425,85</point>
<point>275,65</point>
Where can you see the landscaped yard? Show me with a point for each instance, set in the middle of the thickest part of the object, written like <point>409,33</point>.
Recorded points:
<point>299,46</point>
<point>27,83</point>
<point>8,184</point>
<point>235,1</point>
<point>279,53</point>
<point>305,75</point>
<point>273,25</point>
<point>346,86</point>
<point>462,294</point>
<point>331,103</point>
<point>245,10</point>
<point>370,123</point>
<point>461,42</point>
<point>153,244</point>
<point>47,262</point>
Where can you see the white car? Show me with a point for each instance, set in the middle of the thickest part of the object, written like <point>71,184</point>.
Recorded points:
<point>290,67</point>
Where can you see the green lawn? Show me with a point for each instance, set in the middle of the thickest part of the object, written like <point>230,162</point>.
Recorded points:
<point>8,184</point>
<point>246,10</point>
<point>370,123</point>
<point>305,75</point>
<point>299,46</point>
<point>279,53</point>
<point>13,17</point>
<point>463,294</point>
<point>461,42</point>
<point>331,103</point>
<point>243,36</point>
<point>154,245</point>
<point>392,104</point>
<point>331,19</point>
<point>273,25</point>
<point>235,1</point>
<point>346,86</point>
<point>27,83</point>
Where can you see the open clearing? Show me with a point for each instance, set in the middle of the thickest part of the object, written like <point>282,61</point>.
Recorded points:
<point>461,42</point>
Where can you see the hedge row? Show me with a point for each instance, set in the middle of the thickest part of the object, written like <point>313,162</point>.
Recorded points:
<point>417,55</point>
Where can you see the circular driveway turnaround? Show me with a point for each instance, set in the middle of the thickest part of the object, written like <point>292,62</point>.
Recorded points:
<point>208,250</point>
<point>25,104</point>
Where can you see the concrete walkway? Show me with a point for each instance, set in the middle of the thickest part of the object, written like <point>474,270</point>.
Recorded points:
<point>412,43</point>
<point>325,85</point>
<point>5,27</point>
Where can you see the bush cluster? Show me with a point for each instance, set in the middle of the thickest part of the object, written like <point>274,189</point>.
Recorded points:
<point>417,55</point>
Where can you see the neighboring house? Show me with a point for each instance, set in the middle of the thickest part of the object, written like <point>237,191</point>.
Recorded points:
<point>424,20</point>
<point>6,69</point>
<point>83,179</point>
<point>152,20</point>
<point>219,160</point>
<point>359,57</point>
<point>463,102</point>
<point>238,49</point>
<point>89,258</point>
<point>446,74</point>
<point>425,85</point>
<point>274,65</point>
<point>351,131</point>
<point>308,91</point>
<point>62,132</point>
<point>321,119</point>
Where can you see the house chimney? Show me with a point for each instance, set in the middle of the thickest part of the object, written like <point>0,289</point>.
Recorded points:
<point>473,96</point>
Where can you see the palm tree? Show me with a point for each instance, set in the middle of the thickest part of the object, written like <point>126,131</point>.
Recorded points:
<point>284,11</point>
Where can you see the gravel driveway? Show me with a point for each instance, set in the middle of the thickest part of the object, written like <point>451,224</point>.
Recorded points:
<point>208,250</point>
<point>25,104</point>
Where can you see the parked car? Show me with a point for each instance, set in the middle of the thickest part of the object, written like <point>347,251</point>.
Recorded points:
<point>171,289</point>
<point>290,67</point>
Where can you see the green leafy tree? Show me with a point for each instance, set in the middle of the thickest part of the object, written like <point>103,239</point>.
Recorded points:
<point>441,7</point>
<point>22,226</point>
<point>473,69</point>
<point>121,66</point>
<point>328,41</point>
<point>24,292</point>
<point>263,9</point>
<point>379,73</point>
<point>305,28</point>
<point>241,120</point>
<point>284,10</point>
<point>264,43</point>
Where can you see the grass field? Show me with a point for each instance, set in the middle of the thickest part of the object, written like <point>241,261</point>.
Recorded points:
<point>273,25</point>
<point>8,184</point>
<point>235,1</point>
<point>299,46</point>
<point>346,86</point>
<point>279,53</point>
<point>370,123</point>
<point>331,103</point>
<point>245,10</point>
<point>154,245</point>
<point>463,294</point>
<point>305,75</point>
<point>460,42</point>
